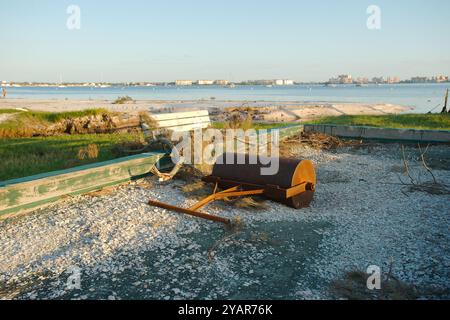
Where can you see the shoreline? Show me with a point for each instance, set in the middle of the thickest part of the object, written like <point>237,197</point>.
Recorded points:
<point>270,111</point>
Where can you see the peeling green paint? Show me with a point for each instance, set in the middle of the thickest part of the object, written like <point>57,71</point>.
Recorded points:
<point>10,197</point>
<point>31,192</point>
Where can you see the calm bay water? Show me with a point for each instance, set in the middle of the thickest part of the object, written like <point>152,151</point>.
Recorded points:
<point>422,97</point>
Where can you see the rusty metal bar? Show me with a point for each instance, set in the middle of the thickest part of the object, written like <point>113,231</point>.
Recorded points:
<point>225,194</point>
<point>210,198</point>
<point>189,212</point>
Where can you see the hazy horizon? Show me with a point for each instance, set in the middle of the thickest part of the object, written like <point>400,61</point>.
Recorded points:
<point>154,41</point>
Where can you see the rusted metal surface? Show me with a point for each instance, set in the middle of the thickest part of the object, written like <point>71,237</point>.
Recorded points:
<point>293,184</point>
<point>189,212</point>
<point>229,193</point>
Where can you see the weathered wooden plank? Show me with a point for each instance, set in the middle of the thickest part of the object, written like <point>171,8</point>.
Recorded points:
<point>190,127</point>
<point>180,115</point>
<point>182,121</point>
<point>31,192</point>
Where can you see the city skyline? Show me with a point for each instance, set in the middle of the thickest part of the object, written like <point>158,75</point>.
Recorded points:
<point>159,42</point>
<point>340,79</point>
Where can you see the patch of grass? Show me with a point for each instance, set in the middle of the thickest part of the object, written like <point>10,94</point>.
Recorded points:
<point>23,157</point>
<point>402,121</point>
<point>7,111</point>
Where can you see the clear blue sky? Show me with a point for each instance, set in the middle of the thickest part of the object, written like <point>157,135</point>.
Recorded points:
<point>247,39</point>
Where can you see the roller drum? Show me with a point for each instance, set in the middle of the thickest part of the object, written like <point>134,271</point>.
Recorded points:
<point>291,173</point>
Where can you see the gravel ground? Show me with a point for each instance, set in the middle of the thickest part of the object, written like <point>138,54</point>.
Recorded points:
<point>126,249</point>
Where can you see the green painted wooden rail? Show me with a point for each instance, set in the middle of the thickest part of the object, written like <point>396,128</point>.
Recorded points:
<point>27,193</point>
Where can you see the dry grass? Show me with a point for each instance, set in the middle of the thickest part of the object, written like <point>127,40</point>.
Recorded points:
<point>103,192</point>
<point>325,142</point>
<point>247,203</point>
<point>320,141</point>
<point>192,174</point>
<point>147,183</point>
<point>89,152</point>
<point>197,189</point>
<point>146,118</point>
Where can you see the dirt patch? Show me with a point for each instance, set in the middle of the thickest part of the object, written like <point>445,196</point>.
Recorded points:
<point>353,286</point>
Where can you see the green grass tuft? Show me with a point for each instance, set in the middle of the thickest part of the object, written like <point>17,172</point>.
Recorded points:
<point>402,121</point>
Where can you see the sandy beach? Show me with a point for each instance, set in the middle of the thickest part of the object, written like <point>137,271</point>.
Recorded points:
<point>269,111</point>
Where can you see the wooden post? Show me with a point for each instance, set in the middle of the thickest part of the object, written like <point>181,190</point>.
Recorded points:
<point>444,110</point>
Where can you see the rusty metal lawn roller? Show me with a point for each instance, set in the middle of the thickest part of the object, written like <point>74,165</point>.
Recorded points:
<point>292,184</point>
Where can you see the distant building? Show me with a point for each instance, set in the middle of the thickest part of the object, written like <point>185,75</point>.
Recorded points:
<point>378,80</point>
<point>440,79</point>
<point>183,82</point>
<point>288,82</point>
<point>283,82</point>
<point>345,79</point>
<point>342,79</point>
<point>205,82</point>
<point>221,82</point>
<point>262,82</point>
<point>419,79</point>
<point>393,80</point>
<point>362,80</point>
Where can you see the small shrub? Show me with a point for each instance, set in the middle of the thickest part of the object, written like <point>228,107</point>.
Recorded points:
<point>239,121</point>
<point>123,100</point>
